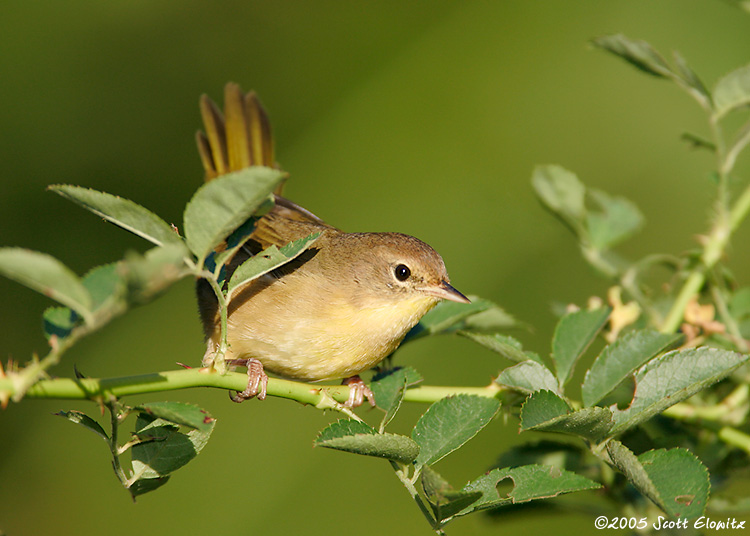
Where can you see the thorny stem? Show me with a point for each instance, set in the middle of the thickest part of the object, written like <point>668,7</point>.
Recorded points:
<point>726,222</point>
<point>171,380</point>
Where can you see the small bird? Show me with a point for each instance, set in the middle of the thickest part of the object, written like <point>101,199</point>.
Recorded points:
<point>335,311</point>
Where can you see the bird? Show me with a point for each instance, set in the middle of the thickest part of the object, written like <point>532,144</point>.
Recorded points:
<point>335,311</point>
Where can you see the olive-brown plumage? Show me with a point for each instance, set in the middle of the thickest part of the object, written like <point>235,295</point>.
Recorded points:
<point>339,308</point>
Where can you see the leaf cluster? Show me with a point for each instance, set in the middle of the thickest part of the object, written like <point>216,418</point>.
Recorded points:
<point>619,373</point>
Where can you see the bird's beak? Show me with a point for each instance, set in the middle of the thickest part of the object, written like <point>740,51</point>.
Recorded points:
<point>446,292</point>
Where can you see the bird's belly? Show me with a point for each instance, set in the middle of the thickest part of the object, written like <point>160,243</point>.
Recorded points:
<point>341,342</point>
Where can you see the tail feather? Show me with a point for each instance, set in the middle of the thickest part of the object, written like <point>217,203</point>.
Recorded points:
<point>238,138</point>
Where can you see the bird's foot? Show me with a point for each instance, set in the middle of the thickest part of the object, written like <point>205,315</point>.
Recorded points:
<point>358,391</point>
<point>257,380</point>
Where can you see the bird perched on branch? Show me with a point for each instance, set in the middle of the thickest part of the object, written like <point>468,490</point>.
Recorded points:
<point>335,311</point>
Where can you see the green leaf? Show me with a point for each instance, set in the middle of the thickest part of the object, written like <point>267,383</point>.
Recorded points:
<point>449,317</point>
<point>444,500</point>
<point>619,359</point>
<point>359,438</point>
<point>530,482</point>
<point>58,322</point>
<point>105,285</point>
<point>618,219</point>
<point>164,448</point>
<point>673,377</point>
<point>592,424</point>
<point>48,276</point>
<point>150,274</point>
<point>180,413</point>
<point>675,480</point>
<point>541,407</point>
<point>528,377</point>
<point>220,206</point>
<point>388,388</point>
<point>144,485</point>
<point>692,82</point>
<point>637,53</point>
<point>732,91</point>
<point>449,423</point>
<point>84,420</point>
<point>122,212</point>
<point>681,480</point>
<point>267,260</point>
<point>562,193</point>
<point>573,334</point>
<point>506,346</point>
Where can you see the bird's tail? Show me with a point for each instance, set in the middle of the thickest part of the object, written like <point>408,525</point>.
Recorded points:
<point>238,138</point>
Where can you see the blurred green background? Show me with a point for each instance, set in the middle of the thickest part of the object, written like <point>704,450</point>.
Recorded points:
<point>420,117</point>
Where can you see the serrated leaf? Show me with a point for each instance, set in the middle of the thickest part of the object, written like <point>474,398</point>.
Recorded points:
<point>267,260</point>
<point>617,220</point>
<point>636,52</point>
<point>122,212</point>
<point>443,499</point>
<point>681,480</point>
<point>528,377</point>
<point>144,485</point>
<point>619,359</point>
<point>506,346</point>
<point>164,448</point>
<point>675,480</point>
<point>180,413</point>
<point>84,420</point>
<point>530,482</point>
<point>343,428</point>
<point>46,275</point>
<point>592,424</point>
<point>562,193</point>
<point>388,388</point>
<point>732,91</point>
<point>449,423</point>
<point>359,438</point>
<point>449,317</point>
<point>541,407</point>
<point>573,334</point>
<point>673,377</point>
<point>220,206</point>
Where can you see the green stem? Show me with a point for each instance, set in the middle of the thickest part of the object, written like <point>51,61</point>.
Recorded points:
<point>401,473</point>
<point>114,448</point>
<point>218,362</point>
<point>304,393</point>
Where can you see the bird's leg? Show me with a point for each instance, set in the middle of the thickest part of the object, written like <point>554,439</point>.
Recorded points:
<point>257,380</point>
<point>358,391</point>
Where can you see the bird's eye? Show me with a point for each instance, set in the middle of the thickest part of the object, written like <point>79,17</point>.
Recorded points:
<point>402,272</point>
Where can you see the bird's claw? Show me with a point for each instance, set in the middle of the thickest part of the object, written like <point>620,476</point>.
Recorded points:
<point>257,380</point>
<point>358,391</point>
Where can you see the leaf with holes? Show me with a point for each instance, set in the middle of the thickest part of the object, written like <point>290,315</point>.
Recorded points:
<point>530,482</point>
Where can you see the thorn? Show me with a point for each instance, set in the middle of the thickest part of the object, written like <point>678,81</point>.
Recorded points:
<point>78,373</point>
<point>183,365</point>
